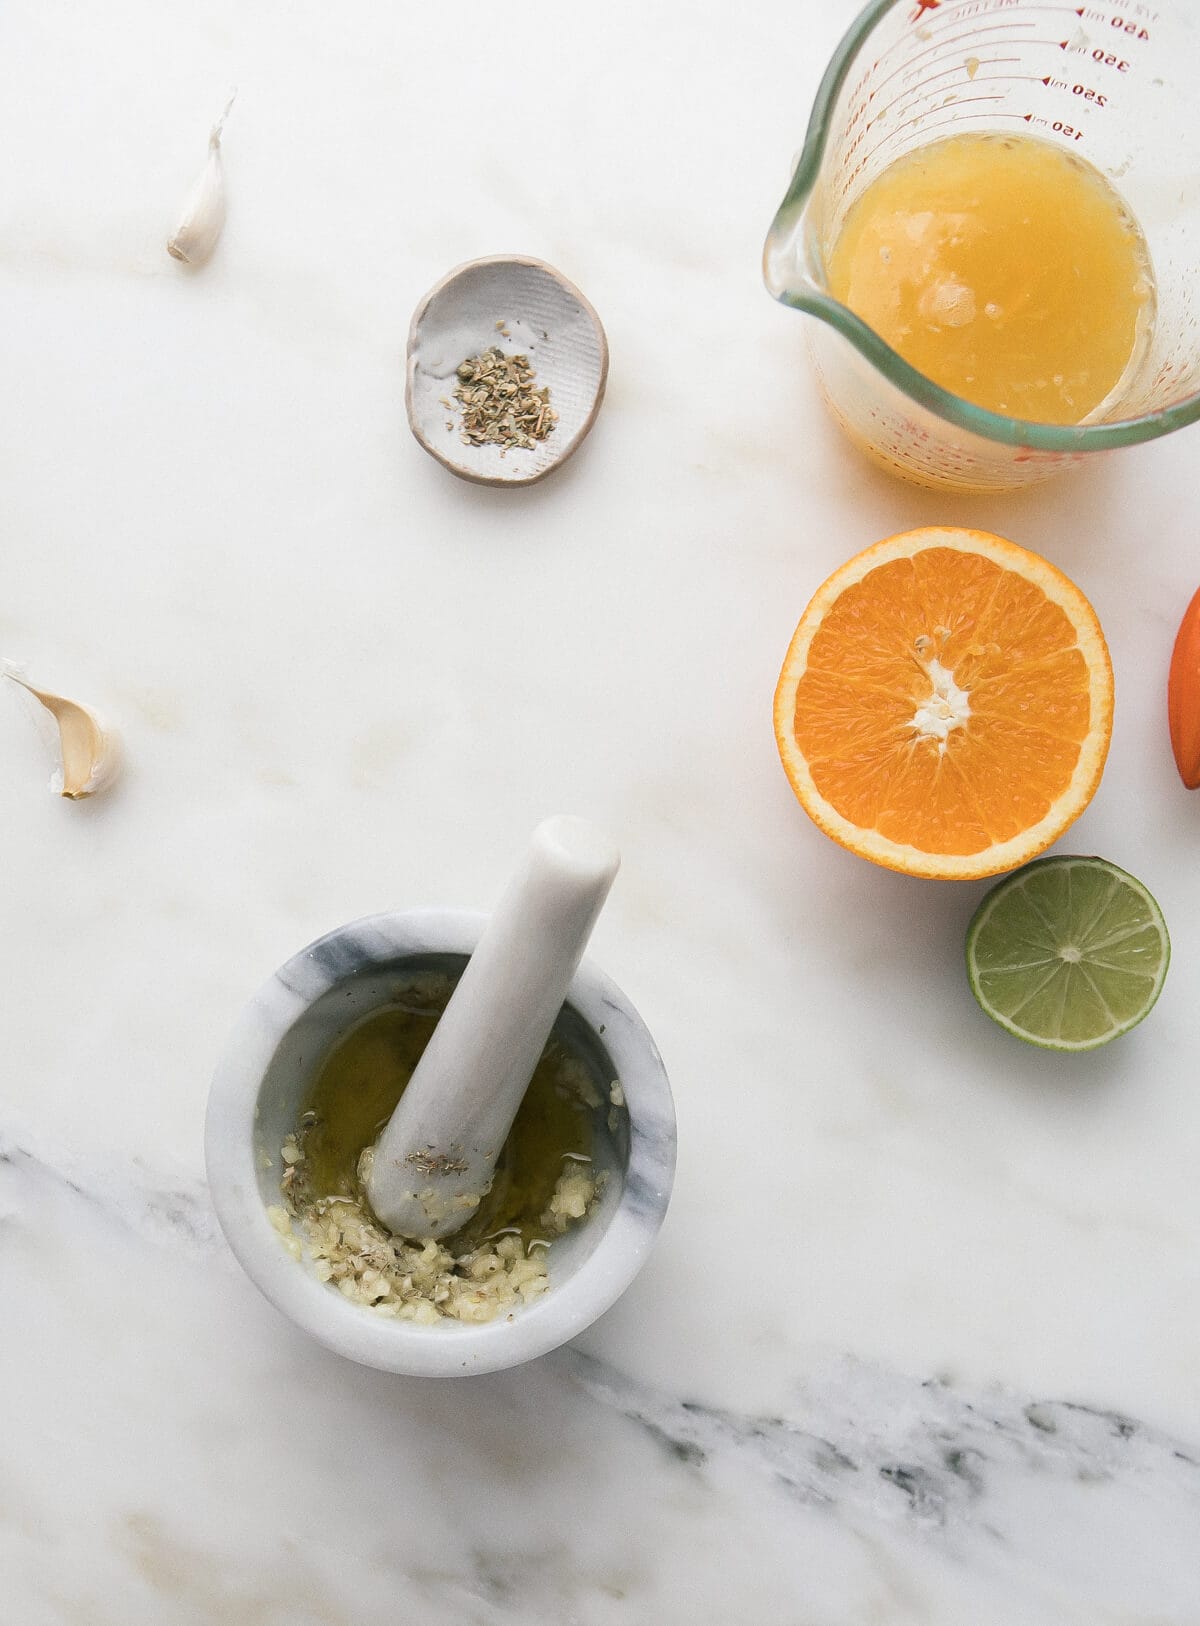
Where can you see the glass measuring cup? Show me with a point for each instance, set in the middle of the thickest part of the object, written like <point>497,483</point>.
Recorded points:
<point>1114,82</point>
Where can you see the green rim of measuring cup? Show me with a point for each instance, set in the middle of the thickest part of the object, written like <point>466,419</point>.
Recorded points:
<point>814,300</point>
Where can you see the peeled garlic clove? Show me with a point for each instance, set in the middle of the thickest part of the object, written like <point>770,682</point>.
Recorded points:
<point>203,218</point>
<point>88,753</point>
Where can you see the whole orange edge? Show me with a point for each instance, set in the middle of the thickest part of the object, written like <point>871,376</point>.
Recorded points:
<point>1183,696</point>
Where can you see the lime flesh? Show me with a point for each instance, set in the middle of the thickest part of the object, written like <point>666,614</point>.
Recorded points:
<point>1068,953</point>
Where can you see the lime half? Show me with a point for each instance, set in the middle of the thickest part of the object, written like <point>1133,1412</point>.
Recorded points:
<point>1068,953</point>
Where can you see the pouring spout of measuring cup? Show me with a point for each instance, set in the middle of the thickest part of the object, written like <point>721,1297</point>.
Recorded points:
<point>792,267</point>
<point>435,1158</point>
<point>790,262</point>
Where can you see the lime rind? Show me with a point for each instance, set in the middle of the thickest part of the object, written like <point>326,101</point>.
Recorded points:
<point>1068,953</point>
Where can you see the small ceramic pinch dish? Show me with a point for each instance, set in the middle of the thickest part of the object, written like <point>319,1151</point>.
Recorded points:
<point>521,307</point>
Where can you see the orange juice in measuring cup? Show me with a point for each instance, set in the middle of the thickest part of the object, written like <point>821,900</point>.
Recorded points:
<point>1004,268</point>
<point>996,215</point>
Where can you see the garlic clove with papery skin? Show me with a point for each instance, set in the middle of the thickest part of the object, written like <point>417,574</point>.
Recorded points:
<point>89,756</point>
<point>203,218</point>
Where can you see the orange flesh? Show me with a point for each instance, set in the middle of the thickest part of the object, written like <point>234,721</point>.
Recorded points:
<point>1005,644</point>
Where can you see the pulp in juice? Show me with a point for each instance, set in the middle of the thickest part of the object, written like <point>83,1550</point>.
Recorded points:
<point>1004,268</point>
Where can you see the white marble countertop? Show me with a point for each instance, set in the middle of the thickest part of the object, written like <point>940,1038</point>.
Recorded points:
<point>942,1366</point>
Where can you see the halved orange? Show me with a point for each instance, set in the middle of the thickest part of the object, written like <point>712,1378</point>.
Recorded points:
<point>946,704</point>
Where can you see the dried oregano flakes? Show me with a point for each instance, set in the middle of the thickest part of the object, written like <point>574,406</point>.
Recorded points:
<point>500,402</point>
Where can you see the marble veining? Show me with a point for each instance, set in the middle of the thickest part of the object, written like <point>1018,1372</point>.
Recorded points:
<point>916,1344</point>
<point>874,1443</point>
<point>146,1204</point>
<point>1039,1498</point>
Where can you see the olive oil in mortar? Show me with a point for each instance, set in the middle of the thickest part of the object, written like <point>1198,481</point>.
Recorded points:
<point>364,1075</point>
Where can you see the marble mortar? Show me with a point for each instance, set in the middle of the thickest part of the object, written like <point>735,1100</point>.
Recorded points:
<point>256,1097</point>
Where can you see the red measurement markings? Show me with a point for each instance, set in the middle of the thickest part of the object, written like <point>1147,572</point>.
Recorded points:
<point>1135,25</point>
<point>955,14</point>
<point>1130,27</point>
<point>956,117</point>
<point>988,7</point>
<point>845,182</point>
<point>922,7</point>
<point>951,122</point>
<point>923,89</point>
<point>943,44</point>
<point>1059,126</point>
<point>1088,94</point>
<point>951,16</point>
<point>1093,97</point>
<point>1110,59</point>
<point>953,117</point>
<point>897,129</point>
<point>966,101</point>
<point>955,61</point>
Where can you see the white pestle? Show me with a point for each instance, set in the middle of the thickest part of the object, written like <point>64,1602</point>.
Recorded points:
<point>438,1152</point>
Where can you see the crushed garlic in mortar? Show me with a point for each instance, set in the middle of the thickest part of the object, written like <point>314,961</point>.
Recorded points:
<point>420,1281</point>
